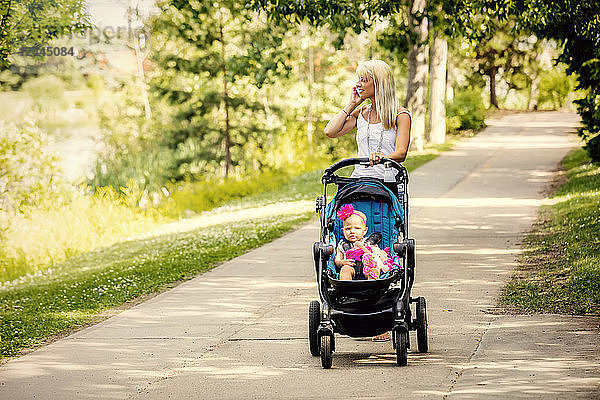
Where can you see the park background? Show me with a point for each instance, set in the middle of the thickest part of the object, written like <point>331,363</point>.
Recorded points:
<point>176,117</point>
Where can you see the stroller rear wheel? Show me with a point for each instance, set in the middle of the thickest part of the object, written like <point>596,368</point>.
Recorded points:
<point>314,319</point>
<point>326,351</point>
<point>401,338</point>
<point>422,325</point>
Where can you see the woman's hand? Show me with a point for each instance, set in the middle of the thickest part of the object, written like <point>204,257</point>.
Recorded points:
<point>375,157</point>
<point>355,99</point>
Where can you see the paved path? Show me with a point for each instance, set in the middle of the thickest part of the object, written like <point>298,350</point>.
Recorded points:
<point>239,331</point>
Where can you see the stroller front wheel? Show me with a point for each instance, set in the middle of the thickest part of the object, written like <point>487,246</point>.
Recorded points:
<point>401,338</point>
<point>314,319</point>
<point>422,344</point>
<point>326,351</point>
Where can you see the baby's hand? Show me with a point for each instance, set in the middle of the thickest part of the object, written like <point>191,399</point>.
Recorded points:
<point>361,245</point>
<point>348,262</point>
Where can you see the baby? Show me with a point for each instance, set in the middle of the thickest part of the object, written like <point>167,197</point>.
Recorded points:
<point>358,258</point>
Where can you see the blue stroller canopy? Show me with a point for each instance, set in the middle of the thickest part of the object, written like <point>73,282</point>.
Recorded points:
<point>350,191</point>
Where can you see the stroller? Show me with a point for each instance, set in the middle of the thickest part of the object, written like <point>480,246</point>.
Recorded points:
<point>365,308</point>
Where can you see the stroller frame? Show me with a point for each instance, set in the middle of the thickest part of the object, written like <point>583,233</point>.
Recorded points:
<point>393,313</point>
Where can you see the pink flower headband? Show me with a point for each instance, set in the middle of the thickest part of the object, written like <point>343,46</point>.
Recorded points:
<point>346,211</point>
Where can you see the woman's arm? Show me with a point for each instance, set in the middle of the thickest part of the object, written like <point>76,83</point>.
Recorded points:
<point>345,120</point>
<point>403,123</point>
<point>341,123</point>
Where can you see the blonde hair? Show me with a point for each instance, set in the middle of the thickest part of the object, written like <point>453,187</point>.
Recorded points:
<point>361,214</point>
<point>385,89</point>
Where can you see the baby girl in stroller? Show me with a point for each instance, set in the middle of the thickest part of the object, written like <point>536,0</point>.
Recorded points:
<point>360,259</point>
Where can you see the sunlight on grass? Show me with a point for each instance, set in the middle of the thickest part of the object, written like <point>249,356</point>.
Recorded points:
<point>44,236</point>
<point>560,270</point>
<point>225,215</point>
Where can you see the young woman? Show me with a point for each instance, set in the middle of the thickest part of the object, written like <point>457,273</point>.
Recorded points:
<point>383,127</point>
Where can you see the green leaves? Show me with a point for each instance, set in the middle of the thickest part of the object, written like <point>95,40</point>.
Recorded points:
<point>211,64</point>
<point>577,25</point>
<point>34,23</point>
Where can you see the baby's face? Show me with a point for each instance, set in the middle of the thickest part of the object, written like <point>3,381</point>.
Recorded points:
<point>354,228</point>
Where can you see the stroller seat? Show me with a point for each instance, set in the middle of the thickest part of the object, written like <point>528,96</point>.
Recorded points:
<point>383,211</point>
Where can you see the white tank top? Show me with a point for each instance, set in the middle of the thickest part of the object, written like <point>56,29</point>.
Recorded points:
<point>388,144</point>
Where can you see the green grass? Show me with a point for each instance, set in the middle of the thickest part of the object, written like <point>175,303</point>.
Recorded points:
<point>559,271</point>
<point>71,293</point>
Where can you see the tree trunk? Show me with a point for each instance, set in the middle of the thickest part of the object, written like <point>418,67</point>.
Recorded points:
<point>534,93</point>
<point>417,72</point>
<point>437,91</point>
<point>140,64</point>
<point>227,139</point>
<point>309,113</point>
<point>493,97</point>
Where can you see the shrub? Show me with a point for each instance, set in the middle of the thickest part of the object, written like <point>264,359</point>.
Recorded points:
<point>29,172</point>
<point>555,88</point>
<point>589,109</point>
<point>466,110</point>
<point>593,148</point>
<point>47,92</point>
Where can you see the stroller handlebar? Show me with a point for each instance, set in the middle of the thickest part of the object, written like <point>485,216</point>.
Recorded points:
<point>364,161</point>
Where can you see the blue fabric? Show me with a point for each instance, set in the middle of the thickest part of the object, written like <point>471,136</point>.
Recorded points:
<point>396,205</point>
<point>380,218</point>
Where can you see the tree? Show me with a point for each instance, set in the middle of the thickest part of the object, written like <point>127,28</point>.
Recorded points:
<point>34,23</point>
<point>211,62</point>
<point>416,91</point>
<point>437,91</point>
<point>577,27</point>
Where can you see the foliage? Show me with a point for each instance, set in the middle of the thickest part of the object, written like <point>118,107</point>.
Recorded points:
<point>202,196</point>
<point>28,169</point>
<point>559,272</point>
<point>133,148</point>
<point>577,26</point>
<point>34,23</point>
<point>555,88</point>
<point>212,62</point>
<point>341,15</point>
<point>455,18</point>
<point>466,110</point>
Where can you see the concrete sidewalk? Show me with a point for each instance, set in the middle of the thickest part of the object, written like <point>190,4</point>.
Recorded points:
<point>239,331</point>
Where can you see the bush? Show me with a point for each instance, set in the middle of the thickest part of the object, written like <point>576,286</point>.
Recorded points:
<point>555,88</point>
<point>466,110</point>
<point>589,109</point>
<point>29,172</point>
<point>593,148</point>
<point>47,92</point>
